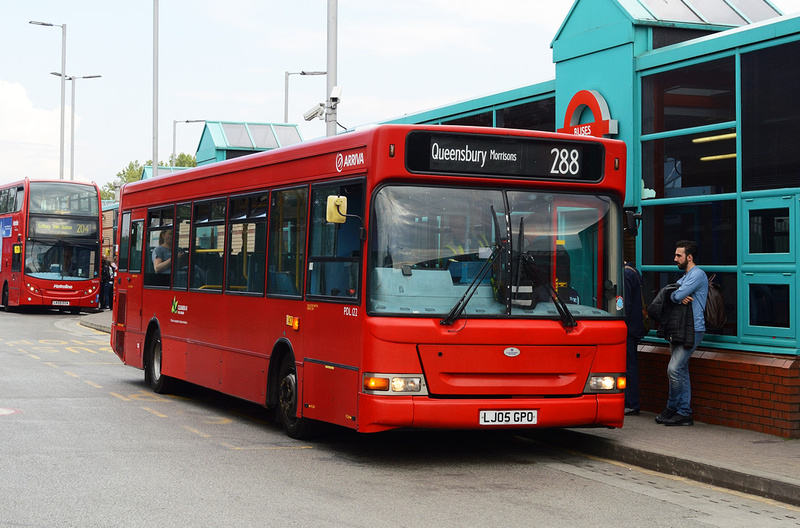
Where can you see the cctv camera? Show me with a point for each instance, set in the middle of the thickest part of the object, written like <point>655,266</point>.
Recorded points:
<point>336,95</point>
<point>318,110</point>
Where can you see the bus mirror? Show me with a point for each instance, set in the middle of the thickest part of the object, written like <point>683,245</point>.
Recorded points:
<point>337,209</point>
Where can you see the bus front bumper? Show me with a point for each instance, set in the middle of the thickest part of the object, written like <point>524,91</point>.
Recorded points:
<point>380,413</point>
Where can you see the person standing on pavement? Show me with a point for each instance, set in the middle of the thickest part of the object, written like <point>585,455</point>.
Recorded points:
<point>634,319</point>
<point>692,291</point>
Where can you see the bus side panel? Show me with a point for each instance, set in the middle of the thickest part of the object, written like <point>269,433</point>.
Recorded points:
<point>244,375</point>
<point>173,357</point>
<point>330,393</point>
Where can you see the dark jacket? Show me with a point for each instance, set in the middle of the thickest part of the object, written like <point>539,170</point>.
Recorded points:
<point>675,321</point>
<point>634,317</point>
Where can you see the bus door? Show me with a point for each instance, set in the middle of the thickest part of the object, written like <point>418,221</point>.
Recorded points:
<point>333,316</point>
<point>129,285</point>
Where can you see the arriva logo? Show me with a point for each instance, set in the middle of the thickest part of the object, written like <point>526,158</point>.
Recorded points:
<point>345,161</point>
<point>179,309</point>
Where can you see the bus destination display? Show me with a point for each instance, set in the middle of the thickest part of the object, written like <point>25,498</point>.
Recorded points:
<point>61,227</point>
<point>543,158</point>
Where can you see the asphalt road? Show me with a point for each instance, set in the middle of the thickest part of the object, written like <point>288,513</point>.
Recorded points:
<point>85,443</point>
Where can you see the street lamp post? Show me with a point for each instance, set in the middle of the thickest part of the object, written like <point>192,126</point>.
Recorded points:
<point>63,83</point>
<point>72,119</point>
<point>286,90</point>
<point>174,127</point>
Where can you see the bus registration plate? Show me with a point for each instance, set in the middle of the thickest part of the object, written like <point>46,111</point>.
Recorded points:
<point>60,303</point>
<point>519,417</point>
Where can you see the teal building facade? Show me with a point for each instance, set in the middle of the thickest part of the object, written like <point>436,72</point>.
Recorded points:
<point>705,96</point>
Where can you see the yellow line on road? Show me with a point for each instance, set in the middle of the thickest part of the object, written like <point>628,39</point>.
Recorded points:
<point>68,373</point>
<point>120,396</point>
<point>263,448</point>
<point>195,431</point>
<point>93,384</point>
<point>153,411</point>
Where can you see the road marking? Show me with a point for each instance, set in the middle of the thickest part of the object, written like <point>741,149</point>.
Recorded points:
<point>120,396</point>
<point>50,363</point>
<point>153,411</point>
<point>195,431</point>
<point>68,373</point>
<point>262,448</point>
<point>77,350</point>
<point>6,412</point>
<point>93,384</point>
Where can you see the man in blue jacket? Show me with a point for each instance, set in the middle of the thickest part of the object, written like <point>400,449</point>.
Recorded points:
<point>692,291</point>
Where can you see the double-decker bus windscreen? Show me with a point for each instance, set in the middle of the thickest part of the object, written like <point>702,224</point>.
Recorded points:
<point>439,251</point>
<point>62,199</point>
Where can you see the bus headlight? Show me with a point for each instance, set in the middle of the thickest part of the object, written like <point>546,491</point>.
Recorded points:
<point>32,288</point>
<point>405,384</point>
<point>605,383</point>
<point>394,384</point>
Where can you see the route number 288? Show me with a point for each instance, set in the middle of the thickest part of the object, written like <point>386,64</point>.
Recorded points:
<point>565,161</point>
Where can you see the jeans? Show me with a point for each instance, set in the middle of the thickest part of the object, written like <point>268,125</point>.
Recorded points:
<point>680,389</point>
<point>632,373</point>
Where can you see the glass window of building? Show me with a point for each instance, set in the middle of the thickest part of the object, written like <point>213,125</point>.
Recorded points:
<point>711,224</point>
<point>692,96</point>
<point>533,115</point>
<point>770,142</point>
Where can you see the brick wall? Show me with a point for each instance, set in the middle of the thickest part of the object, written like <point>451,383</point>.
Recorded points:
<point>760,392</point>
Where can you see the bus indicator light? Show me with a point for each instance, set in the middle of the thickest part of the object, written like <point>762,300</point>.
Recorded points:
<point>295,323</point>
<point>376,384</point>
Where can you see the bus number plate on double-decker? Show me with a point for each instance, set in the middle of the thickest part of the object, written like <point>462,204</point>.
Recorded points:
<point>60,303</point>
<point>523,417</point>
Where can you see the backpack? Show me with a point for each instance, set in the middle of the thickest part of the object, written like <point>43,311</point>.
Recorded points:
<point>715,306</point>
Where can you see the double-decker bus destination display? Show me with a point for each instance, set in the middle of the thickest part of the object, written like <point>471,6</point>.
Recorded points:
<point>62,227</point>
<point>541,158</point>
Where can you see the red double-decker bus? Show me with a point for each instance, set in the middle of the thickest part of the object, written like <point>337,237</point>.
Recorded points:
<point>50,244</point>
<point>397,276</point>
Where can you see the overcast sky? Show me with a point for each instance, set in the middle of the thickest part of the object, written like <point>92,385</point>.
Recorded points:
<point>226,61</point>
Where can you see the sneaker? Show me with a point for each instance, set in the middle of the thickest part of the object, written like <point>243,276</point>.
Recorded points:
<point>631,412</point>
<point>665,415</point>
<point>679,419</point>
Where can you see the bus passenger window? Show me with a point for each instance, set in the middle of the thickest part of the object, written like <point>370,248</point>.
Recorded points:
<point>160,255</point>
<point>247,244</point>
<point>286,259</point>
<point>208,246</point>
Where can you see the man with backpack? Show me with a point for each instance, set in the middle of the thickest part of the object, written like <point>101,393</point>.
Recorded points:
<point>692,291</point>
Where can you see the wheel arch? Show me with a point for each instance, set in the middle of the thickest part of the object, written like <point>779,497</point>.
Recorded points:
<point>153,326</point>
<point>280,350</point>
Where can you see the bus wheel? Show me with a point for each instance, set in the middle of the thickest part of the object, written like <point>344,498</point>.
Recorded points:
<point>6,307</point>
<point>288,396</point>
<point>152,374</point>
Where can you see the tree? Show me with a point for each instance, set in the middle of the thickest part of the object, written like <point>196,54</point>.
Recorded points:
<point>133,172</point>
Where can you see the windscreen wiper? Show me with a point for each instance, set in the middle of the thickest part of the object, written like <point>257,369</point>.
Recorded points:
<point>461,304</point>
<point>532,269</point>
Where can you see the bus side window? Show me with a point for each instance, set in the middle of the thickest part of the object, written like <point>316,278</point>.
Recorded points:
<point>287,233</point>
<point>136,241</point>
<point>335,249</point>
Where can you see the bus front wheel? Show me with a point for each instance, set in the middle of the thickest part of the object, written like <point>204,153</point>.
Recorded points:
<point>288,397</point>
<point>158,382</point>
<point>6,306</point>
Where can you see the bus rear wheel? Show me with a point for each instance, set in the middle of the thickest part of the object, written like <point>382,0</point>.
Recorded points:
<point>288,398</point>
<point>158,382</point>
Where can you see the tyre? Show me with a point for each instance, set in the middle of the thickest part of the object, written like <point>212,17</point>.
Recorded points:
<point>295,427</point>
<point>6,306</point>
<point>152,374</point>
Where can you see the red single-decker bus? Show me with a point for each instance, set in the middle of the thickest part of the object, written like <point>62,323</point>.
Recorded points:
<point>391,277</point>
